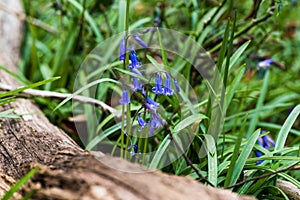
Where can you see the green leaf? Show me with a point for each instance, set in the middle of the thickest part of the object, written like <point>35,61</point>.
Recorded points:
<point>204,19</point>
<point>9,194</point>
<point>232,88</point>
<point>7,100</point>
<point>229,52</point>
<point>212,159</point>
<point>189,121</point>
<point>9,114</point>
<point>18,77</point>
<point>237,55</point>
<point>235,153</point>
<point>259,104</point>
<point>284,131</point>
<point>240,163</point>
<point>276,126</point>
<point>223,47</point>
<point>160,153</point>
<point>162,49</point>
<point>89,19</point>
<point>132,74</point>
<point>122,15</point>
<point>102,136</point>
<point>9,93</point>
<point>154,62</point>
<point>140,23</point>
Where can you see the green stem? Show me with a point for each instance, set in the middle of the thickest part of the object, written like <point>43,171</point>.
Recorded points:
<point>145,148</point>
<point>128,113</point>
<point>128,127</point>
<point>127,16</point>
<point>122,132</point>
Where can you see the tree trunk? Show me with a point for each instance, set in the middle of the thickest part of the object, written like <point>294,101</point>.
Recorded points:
<point>67,171</point>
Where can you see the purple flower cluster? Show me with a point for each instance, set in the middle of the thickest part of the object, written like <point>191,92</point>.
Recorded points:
<point>166,88</point>
<point>266,142</point>
<point>163,86</point>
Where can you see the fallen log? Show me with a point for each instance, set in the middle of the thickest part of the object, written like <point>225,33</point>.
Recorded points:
<point>67,171</point>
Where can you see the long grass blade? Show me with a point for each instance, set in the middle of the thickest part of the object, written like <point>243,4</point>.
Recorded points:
<point>9,194</point>
<point>285,129</point>
<point>255,118</point>
<point>13,92</point>
<point>241,161</point>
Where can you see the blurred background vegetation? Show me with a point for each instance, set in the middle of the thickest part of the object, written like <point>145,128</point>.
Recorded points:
<point>65,31</point>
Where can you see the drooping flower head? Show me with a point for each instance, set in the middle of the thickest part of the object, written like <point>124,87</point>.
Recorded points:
<point>155,123</point>
<point>158,85</point>
<point>134,149</point>
<point>151,105</point>
<point>141,121</point>
<point>134,60</point>
<point>125,100</point>
<point>266,142</point>
<point>122,49</point>
<point>135,84</point>
<point>167,89</point>
<point>139,40</point>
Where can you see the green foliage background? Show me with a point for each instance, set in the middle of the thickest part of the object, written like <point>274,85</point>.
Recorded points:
<point>59,34</point>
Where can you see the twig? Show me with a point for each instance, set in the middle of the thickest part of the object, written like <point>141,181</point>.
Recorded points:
<point>187,160</point>
<point>206,23</point>
<point>57,95</point>
<point>262,176</point>
<point>257,21</point>
<point>254,11</point>
<point>250,26</point>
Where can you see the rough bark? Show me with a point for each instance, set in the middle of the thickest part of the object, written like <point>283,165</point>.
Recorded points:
<point>68,172</point>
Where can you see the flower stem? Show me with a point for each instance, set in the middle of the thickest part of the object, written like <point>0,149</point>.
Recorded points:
<point>122,132</point>
<point>128,113</point>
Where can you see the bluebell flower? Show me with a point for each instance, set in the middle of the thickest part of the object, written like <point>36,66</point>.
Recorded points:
<point>122,49</point>
<point>151,105</point>
<point>135,84</point>
<point>265,63</point>
<point>158,85</point>
<point>265,142</point>
<point>259,142</point>
<point>139,40</point>
<point>134,149</point>
<point>176,85</point>
<point>125,98</point>
<point>258,154</point>
<point>156,122</point>
<point>141,121</point>
<point>134,60</point>
<point>167,89</point>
